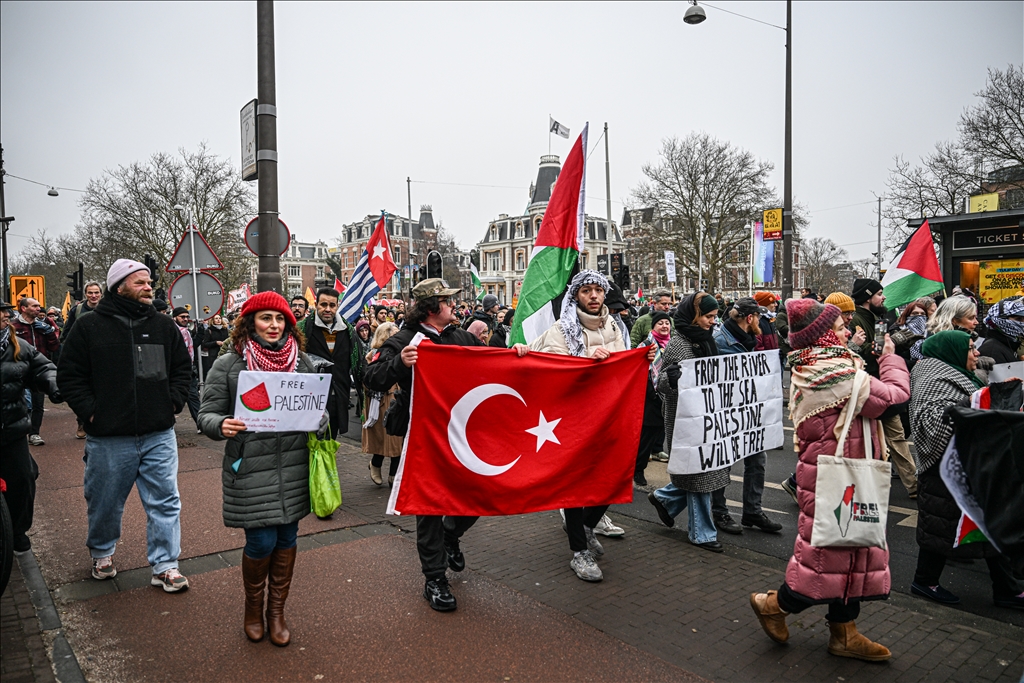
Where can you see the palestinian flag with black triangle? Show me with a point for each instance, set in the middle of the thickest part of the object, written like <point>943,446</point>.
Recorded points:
<point>914,272</point>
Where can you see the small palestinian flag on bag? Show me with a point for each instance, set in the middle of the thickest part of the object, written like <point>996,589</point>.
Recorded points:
<point>967,532</point>
<point>844,512</point>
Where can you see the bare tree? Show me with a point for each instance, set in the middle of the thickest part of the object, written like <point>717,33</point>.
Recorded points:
<point>822,260</point>
<point>446,245</point>
<point>993,129</point>
<point>703,188</point>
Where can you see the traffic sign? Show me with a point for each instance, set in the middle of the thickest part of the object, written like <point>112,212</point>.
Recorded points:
<point>248,121</point>
<point>33,286</point>
<point>252,236</point>
<point>181,260</point>
<point>211,295</point>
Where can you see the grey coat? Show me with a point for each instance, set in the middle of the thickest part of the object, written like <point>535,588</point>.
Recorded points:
<point>680,348</point>
<point>271,485</point>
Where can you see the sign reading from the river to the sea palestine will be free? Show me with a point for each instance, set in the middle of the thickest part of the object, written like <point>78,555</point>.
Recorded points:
<point>729,407</point>
<point>281,401</point>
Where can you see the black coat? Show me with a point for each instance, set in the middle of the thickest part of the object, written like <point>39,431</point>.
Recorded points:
<point>998,347</point>
<point>483,317</point>
<point>125,371</point>
<point>345,358</point>
<point>210,346</point>
<point>32,370</point>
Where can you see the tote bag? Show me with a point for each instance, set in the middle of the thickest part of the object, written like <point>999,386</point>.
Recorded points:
<point>324,487</point>
<point>851,496</point>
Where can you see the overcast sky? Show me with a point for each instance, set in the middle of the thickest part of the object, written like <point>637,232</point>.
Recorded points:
<point>460,93</point>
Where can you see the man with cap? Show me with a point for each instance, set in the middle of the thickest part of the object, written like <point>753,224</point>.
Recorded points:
<point>126,372</point>
<point>487,314</point>
<point>433,315</point>
<point>587,329</point>
<point>739,334</point>
<point>870,308</point>
<point>180,317</point>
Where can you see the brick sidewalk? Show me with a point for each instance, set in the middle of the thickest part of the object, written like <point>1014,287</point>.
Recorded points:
<point>23,653</point>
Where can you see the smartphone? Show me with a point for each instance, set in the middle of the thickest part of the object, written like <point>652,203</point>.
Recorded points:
<point>880,329</point>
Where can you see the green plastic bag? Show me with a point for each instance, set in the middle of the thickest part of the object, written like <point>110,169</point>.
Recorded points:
<point>324,487</point>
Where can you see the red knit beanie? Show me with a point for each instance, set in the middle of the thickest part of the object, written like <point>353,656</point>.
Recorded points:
<point>268,301</point>
<point>808,321</point>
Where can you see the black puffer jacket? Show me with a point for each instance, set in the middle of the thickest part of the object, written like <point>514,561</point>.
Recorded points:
<point>125,371</point>
<point>32,370</point>
<point>271,485</point>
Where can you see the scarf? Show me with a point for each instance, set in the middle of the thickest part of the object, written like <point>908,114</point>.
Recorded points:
<point>951,347</point>
<point>122,305</point>
<point>265,358</point>
<point>822,378</point>
<point>5,339</point>
<point>569,321</point>
<point>999,317</point>
<point>703,340</point>
<point>747,339</point>
<point>659,341</point>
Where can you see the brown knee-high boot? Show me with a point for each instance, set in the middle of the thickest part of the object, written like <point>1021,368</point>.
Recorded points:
<point>254,578</point>
<point>282,563</point>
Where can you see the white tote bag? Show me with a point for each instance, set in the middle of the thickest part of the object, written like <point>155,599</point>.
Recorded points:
<point>851,495</point>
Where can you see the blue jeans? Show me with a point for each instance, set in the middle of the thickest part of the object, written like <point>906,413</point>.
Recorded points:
<point>753,488</point>
<point>113,464</point>
<point>702,526</point>
<point>264,540</point>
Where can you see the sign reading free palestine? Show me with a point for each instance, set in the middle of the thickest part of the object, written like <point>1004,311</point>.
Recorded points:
<point>281,401</point>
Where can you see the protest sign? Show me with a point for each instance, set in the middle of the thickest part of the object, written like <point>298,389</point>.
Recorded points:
<point>729,407</point>
<point>281,401</point>
<point>1003,372</point>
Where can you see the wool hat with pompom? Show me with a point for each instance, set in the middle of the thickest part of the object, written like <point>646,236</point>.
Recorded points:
<point>808,321</point>
<point>268,301</point>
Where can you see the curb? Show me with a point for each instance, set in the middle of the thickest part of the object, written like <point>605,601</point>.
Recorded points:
<point>65,663</point>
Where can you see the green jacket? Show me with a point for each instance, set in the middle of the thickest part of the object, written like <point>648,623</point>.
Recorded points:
<point>642,328</point>
<point>865,319</point>
<point>271,485</point>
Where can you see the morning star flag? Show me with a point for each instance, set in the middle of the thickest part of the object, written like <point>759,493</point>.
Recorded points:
<point>507,435</point>
<point>559,243</point>
<point>914,271</point>
<point>557,128</point>
<point>374,269</point>
<point>478,287</point>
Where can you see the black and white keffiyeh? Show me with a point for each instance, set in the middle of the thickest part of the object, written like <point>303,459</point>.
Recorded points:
<point>999,317</point>
<point>572,328</point>
<point>934,386</point>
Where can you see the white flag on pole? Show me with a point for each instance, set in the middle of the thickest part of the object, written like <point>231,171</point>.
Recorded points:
<point>557,128</point>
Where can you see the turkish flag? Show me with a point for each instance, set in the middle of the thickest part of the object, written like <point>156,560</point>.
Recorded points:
<point>494,434</point>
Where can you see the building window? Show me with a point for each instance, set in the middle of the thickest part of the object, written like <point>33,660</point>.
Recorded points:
<point>494,260</point>
<point>294,271</point>
<point>494,233</point>
<point>519,230</point>
<point>319,272</point>
<point>520,257</point>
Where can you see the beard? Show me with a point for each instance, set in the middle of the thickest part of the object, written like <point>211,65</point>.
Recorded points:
<point>880,311</point>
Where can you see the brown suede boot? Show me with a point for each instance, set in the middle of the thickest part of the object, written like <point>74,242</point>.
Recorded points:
<point>254,578</point>
<point>845,641</point>
<point>771,616</point>
<point>282,563</point>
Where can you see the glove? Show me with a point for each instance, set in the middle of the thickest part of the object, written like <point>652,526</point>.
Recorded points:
<point>673,372</point>
<point>325,423</point>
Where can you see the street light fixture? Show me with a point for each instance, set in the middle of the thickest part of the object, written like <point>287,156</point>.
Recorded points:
<point>53,192</point>
<point>695,15</point>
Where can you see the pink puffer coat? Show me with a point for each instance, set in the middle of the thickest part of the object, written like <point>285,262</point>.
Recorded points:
<point>828,574</point>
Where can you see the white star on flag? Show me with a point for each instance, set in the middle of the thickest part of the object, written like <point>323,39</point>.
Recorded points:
<point>545,431</point>
<point>378,251</point>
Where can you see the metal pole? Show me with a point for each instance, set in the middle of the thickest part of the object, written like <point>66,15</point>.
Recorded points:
<point>608,198</point>
<point>195,287</point>
<point>408,189</point>
<point>787,191</point>
<point>879,238</point>
<point>750,269</point>
<point>5,225</point>
<point>268,278</point>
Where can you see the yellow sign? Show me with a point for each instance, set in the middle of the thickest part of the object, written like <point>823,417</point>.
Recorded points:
<point>1000,279</point>
<point>981,203</point>
<point>33,286</point>
<point>772,219</point>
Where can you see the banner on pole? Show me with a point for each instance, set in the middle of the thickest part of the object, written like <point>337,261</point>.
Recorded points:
<point>729,407</point>
<point>670,266</point>
<point>281,401</point>
<point>764,256</point>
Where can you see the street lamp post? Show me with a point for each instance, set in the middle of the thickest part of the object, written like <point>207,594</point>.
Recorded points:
<point>268,278</point>
<point>695,15</point>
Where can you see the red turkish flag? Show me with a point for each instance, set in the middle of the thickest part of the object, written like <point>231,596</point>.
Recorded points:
<point>495,434</point>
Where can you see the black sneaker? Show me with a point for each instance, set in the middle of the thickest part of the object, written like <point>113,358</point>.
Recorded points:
<point>663,515</point>
<point>640,479</point>
<point>713,546</point>
<point>761,522</point>
<point>727,524</point>
<point>439,595</point>
<point>936,593</point>
<point>456,560</point>
<point>1011,601</point>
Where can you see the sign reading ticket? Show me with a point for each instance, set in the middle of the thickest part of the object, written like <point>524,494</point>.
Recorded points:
<point>729,407</point>
<point>281,401</point>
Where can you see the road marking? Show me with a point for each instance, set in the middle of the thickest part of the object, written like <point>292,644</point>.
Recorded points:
<point>739,505</point>
<point>769,484</point>
<point>911,516</point>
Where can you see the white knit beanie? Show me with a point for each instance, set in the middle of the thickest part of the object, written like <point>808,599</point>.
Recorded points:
<point>122,268</point>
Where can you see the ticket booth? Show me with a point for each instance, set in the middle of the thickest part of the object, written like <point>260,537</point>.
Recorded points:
<point>982,252</point>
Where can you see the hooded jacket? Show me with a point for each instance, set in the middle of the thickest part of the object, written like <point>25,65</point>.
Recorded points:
<point>33,371</point>
<point>126,370</point>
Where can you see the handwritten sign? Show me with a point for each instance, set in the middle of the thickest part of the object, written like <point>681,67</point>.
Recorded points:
<point>281,401</point>
<point>729,407</point>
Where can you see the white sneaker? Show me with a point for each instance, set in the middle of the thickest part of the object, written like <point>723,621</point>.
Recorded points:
<point>593,545</point>
<point>585,567</point>
<point>36,440</point>
<point>606,528</point>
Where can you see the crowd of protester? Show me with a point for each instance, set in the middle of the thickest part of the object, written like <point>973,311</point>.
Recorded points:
<point>934,353</point>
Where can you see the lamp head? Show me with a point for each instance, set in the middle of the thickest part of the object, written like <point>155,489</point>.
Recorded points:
<point>694,14</point>
<point>53,192</point>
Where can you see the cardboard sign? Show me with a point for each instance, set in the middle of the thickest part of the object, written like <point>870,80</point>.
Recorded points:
<point>281,401</point>
<point>1002,372</point>
<point>729,407</point>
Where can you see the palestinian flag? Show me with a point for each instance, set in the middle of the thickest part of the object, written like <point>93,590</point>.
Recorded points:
<point>338,285</point>
<point>844,511</point>
<point>477,285</point>
<point>967,532</point>
<point>558,246</point>
<point>914,272</point>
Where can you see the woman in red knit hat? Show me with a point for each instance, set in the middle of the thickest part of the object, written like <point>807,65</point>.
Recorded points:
<point>265,475</point>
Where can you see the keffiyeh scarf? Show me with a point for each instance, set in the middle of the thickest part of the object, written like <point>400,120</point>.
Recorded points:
<point>822,378</point>
<point>263,359</point>
<point>569,321</point>
<point>5,339</point>
<point>999,317</point>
